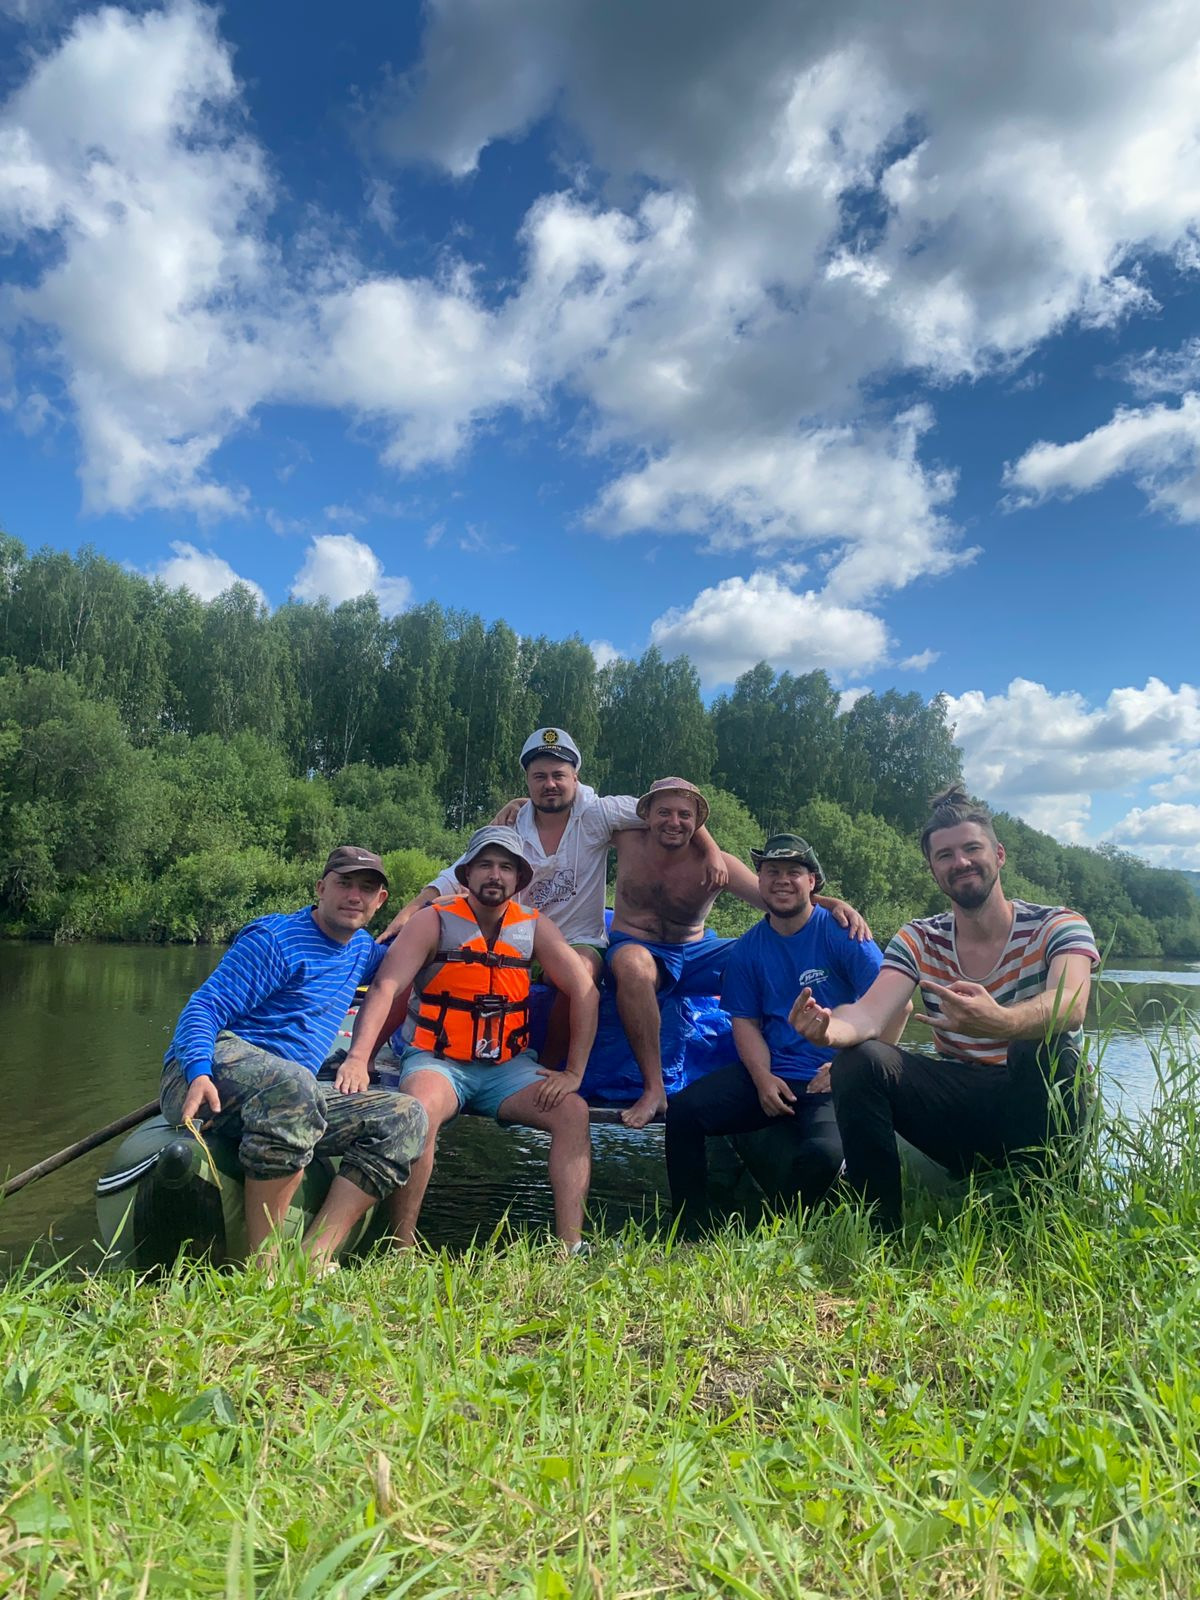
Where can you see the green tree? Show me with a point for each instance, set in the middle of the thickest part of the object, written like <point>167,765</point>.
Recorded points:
<point>237,676</point>
<point>75,797</point>
<point>870,864</point>
<point>652,724</point>
<point>896,752</point>
<point>778,741</point>
<point>413,709</point>
<point>560,675</point>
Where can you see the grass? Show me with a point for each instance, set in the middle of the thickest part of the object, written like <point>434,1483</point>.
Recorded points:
<point>1006,1403</point>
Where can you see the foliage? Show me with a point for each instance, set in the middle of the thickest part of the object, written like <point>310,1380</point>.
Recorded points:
<point>141,728</point>
<point>1002,1403</point>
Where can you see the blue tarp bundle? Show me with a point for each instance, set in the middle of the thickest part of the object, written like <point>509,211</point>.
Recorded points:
<point>697,1037</point>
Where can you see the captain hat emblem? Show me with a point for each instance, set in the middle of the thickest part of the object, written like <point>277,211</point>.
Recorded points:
<point>550,736</point>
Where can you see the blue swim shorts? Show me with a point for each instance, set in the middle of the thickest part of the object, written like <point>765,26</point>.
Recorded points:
<point>480,1086</point>
<point>696,968</point>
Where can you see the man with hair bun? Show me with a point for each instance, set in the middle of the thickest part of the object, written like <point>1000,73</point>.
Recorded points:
<point>1005,987</point>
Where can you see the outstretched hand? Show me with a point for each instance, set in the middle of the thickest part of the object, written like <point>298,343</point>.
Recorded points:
<point>966,1008</point>
<point>809,1019</point>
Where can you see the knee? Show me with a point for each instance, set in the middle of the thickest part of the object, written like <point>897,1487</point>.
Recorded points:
<point>683,1109</point>
<point>633,967</point>
<point>859,1069</point>
<point>409,1126</point>
<point>571,1116</point>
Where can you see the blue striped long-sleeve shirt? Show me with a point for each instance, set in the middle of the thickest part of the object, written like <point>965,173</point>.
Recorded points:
<point>282,985</point>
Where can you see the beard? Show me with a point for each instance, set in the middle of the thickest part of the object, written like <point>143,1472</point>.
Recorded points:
<point>970,890</point>
<point>551,807</point>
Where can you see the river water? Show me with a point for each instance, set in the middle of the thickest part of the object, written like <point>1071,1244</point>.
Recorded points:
<point>84,1028</point>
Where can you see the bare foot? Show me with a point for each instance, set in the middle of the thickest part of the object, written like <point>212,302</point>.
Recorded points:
<point>652,1104</point>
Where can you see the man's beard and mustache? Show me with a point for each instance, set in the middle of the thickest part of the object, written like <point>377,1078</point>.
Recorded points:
<point>558,803</point>
<point>970,889</point>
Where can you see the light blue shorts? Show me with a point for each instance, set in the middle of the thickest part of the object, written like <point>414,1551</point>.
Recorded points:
<point>480,1086</point>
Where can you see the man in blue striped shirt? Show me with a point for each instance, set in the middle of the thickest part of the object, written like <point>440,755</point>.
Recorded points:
<point>251,1040</point>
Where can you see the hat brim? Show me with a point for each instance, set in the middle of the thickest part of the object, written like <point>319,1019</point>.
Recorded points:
<point>524,876</point>
<point>701,804</point>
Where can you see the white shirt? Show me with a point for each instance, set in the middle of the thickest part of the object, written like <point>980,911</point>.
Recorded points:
<point>568,887</point>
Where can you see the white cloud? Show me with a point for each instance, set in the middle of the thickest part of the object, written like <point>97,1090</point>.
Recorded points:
<point>1164,371</point>
<point>1158,444</point>
<point>1164,835</point>
<point>799,204</point>
<point>865,495</point>
<point>1044,755</point>
<point>737,623</point>
<point>834,193</point>
<point>1184,779</point>
<point>340,567</point>
<point>604,653</point>
<point>205,574</point>
<point>119,145</point>
<point>849,698</point>
<point>921,662</point>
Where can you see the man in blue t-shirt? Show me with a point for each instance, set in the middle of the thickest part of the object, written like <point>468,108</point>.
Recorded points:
<point>249,1044</point>
<point>798,944</point>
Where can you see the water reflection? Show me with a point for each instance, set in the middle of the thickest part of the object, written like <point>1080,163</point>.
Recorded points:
<point>85,1027</point>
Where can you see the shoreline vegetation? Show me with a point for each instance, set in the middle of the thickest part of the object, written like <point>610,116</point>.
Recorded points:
<point>1004,1403</point>
<point>170,768</point>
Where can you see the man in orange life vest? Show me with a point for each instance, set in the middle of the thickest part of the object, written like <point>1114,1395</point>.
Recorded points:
<point>466,1034</point>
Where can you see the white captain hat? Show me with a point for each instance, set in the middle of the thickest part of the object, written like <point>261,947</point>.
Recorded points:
<point>550,742</point>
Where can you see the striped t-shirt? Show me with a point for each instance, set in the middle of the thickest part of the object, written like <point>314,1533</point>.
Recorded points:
<point>925,949</point>
<point>282,985</point>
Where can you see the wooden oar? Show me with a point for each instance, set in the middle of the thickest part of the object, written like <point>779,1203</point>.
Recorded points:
<point>79,1148</point>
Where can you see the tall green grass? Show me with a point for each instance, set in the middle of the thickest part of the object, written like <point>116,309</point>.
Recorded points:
<point>1004,1403</point>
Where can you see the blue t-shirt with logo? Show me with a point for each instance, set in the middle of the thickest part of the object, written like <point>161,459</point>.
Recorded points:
<point>766,971</point>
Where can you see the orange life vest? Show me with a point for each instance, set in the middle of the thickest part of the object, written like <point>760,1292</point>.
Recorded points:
<point>471,1002</point>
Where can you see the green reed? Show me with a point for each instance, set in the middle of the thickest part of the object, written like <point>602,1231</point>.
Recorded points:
<point>1006,1402</point>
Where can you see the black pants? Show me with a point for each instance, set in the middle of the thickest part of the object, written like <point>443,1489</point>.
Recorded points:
<point>726,1101</point>
<point>957,1113</point>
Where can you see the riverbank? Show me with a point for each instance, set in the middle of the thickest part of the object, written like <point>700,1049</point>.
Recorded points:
<point>1004,1405</point>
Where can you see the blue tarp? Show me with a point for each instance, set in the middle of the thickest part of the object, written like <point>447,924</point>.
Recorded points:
<point>697,1037</point>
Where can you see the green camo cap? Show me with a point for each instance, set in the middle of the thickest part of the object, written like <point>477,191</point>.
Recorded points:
<point>789,847</point>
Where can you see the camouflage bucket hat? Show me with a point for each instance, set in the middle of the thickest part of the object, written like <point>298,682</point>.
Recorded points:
<point>789,847</point>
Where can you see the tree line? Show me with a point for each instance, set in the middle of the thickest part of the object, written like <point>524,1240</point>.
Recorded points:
<point>169,767</point>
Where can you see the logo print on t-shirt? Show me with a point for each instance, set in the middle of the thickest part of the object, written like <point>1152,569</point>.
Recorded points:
<point>552,891</point>
<point>811,978</point>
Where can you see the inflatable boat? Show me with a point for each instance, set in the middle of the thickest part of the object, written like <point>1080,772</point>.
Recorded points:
<point>164,1192</point>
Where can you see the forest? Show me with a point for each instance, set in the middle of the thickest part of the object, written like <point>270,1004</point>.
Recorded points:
<point>170,767</point>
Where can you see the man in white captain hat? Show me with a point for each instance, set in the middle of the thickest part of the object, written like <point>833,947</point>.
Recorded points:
<point>566,829</point>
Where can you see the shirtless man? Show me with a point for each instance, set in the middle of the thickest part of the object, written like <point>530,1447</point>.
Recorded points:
<point>658,942</point>
<point>566,830</point>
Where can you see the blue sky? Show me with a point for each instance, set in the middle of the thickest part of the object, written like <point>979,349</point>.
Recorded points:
<point>853,336</point>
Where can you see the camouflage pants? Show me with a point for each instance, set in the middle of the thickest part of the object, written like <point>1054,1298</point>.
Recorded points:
<point>281,1116</point>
